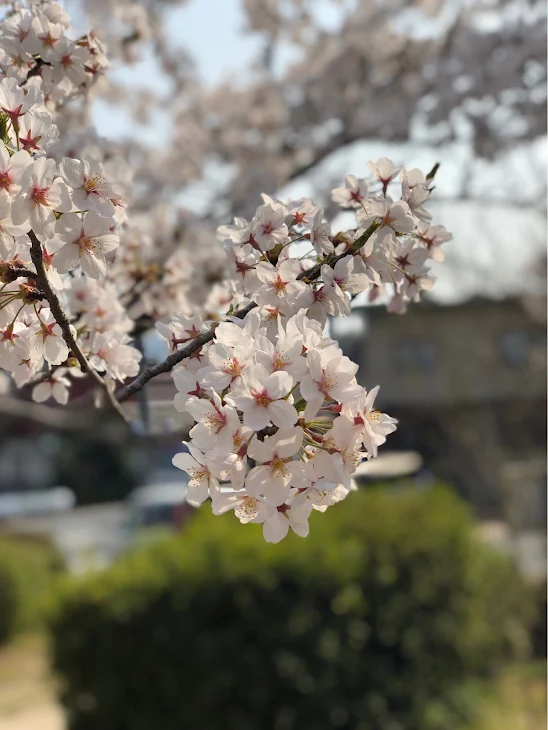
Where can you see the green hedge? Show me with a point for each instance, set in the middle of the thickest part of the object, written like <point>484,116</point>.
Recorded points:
<point>377,621</point>
<point>29,566</point>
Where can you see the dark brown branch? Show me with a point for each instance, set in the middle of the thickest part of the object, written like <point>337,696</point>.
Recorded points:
<point>64,324</point>
<point>53,301</point>
<point>171,360</point>
<point>35,70</point>
<point>176,357</point>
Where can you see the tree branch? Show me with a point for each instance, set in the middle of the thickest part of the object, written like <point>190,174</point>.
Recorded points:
<point>176,357</point>
<point>171,360</point>
<point>64,324</point>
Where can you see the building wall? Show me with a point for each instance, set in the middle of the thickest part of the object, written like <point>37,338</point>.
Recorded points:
<point>467,384</point>
<point>476,352</point>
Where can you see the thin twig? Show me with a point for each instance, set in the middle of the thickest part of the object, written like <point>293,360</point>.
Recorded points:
<point>64,324</point>
<point>176,357</point>
<point>35,70</point>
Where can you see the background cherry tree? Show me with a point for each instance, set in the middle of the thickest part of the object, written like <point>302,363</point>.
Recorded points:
<point>95,250</point>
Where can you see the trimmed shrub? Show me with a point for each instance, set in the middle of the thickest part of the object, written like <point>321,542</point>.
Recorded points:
<point>377,621</point>
<point>31,564</point>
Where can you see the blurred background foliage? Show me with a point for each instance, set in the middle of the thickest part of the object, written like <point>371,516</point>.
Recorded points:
<point>384,618</point>
<point>29,567</point>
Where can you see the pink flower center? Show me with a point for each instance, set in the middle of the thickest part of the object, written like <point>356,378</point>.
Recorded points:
<point>278,466</point>
<point>233,367</point>
<point>248,507</point>
<point>279,285</point>
<point>30,143</point>
<point>262,398</point>
<point>403,261</point>
<point>47,330</point>
<point>216,421</point>
<point>40,196</point>
<point>93,184</point>
<point>278,363</point>
<point>5,180</point>
<point>48,41</point>
<point>86,244</point>
<point>13,113</point>
<point>325,384</point>
<point>198,391</point>
<point>8,334</point>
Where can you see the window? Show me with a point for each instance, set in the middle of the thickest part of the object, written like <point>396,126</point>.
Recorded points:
<point>418,355</point>
<point>514,347</point>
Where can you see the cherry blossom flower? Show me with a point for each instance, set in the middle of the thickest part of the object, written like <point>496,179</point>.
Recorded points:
<point>375,425</point>
<point>227,365</point>
<point>14,170</point>
<point>393,217</point>
<point>278,283</point>
<point>47,340</point>
<point>415,196</point>
<point>13,100</point>
<point>216,423</point>
<point>113,354</point>
<point>276,527</point>
<point>331,377</point>
<point>43,38</point>
<point>9,335</point>
<point>268,226</point>
<point>340,281</point>
<point>8,230</point>
<point>320,233</point>
<point>384,171</point>
<point>56,387</point>
<point>262,398</point>
<point>198,468</point>
<point>353,194</point>
<point>72,60</point>
<point>87,243</point>
<point>313,490</point>
<point>90,188</point>
<point>35,133</point>
<point>44,194</point>
<point>284,355</point>
<point>272,478</point>
<point>432,237</point>
<point>180,330</point>
<point>246,508</point>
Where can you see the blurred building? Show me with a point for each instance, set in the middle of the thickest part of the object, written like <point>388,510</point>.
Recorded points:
<point>467,383</point>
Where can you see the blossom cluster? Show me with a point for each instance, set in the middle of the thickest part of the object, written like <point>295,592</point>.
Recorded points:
<point>280,421</point>
<point>36,49</point>
<point>66,213</point>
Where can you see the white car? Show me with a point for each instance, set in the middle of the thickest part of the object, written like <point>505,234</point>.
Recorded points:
<point>154,509</point>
